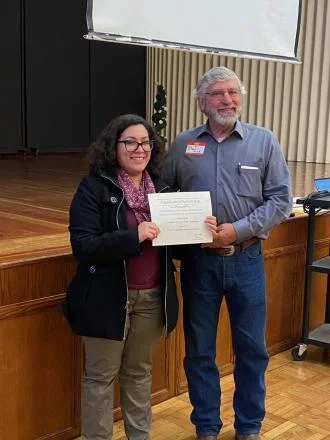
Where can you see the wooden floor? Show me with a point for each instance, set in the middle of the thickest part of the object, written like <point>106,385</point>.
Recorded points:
<point>298,404</point>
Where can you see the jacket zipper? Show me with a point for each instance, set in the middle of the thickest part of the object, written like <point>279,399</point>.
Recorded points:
<point>124,262</point>
<point>125,269</point>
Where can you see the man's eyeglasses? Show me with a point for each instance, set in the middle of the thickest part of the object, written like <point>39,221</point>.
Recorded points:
<point>134,145</point>
<point>216,94</point>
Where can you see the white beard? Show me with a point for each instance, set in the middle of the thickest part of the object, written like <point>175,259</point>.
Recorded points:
<point>224,121</point>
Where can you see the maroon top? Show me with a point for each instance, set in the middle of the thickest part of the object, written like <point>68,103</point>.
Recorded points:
<point>143,271</point>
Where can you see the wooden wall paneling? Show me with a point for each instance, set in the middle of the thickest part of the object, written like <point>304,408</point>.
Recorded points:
<point>289,233</point>
<point>284,285</point>
<point>26,282</point>
<point>11,117</point>
<point>319,287</point>
<point>57,75</point>
<point>162,372</point>
<point>40,358</point>
<point>225,355</point>
<point>40,366</point>
<point>181,380</point>
<point>118,82</point>
<point>322,227</point>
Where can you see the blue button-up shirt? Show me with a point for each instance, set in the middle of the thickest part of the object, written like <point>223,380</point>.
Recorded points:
<point>246,175</point>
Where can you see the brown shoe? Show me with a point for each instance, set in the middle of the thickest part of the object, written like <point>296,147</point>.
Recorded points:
<point>247,437</point>
<point>207,437</point>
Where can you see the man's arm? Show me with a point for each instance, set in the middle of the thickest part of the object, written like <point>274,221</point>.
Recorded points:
<point>276,206</point>
<point>277,195</point>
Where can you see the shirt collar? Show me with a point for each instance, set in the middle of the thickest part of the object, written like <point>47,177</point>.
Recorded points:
<point>204,128</point>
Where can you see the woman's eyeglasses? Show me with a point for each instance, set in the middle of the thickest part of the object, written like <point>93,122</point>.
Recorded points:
<point>134,145</point>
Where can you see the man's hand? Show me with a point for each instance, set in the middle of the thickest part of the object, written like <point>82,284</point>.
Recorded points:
<point>147,231</point>
<point>223,235</point>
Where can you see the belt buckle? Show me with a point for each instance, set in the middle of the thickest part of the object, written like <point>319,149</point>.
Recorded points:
<point>229,250</point>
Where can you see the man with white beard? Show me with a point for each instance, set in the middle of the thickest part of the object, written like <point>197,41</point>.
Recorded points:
<point>244,169</point>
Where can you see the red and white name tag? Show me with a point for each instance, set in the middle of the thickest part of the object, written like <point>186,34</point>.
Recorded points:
<point>195,148</point>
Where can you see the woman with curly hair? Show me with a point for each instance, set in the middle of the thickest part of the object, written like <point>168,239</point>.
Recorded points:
<point>123,294</point>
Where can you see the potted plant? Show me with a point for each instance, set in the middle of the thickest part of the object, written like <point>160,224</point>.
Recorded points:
<point>160,112</point>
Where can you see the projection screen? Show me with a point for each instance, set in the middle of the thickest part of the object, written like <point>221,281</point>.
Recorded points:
<point>253,28</point>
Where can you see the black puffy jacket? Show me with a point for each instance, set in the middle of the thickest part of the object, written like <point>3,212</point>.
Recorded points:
<point>96,299</point>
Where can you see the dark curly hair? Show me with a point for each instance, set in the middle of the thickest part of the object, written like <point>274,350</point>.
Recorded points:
<point>102,152</point>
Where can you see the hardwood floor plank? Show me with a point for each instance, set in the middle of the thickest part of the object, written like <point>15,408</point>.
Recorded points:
<point>297,412</point>
<point>285,407</point>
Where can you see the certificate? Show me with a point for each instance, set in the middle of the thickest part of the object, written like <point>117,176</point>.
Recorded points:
<point>180,217</point>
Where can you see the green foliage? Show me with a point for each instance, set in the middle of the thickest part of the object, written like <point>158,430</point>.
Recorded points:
<point>160,112</point>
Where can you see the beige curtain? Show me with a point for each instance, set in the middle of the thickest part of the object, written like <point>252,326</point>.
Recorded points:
<point>293,100</point>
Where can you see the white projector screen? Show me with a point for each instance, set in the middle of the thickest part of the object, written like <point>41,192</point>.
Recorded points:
<point>252,28</point>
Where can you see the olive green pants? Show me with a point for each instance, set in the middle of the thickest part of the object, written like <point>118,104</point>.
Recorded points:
<point>131,359</point>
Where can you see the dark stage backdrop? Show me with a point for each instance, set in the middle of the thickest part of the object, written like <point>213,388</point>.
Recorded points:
<point>58,89</point>
<point>11,109</point>
<point>118,82</point>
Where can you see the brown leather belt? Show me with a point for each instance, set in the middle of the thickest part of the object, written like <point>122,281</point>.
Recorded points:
<point>232,249</point>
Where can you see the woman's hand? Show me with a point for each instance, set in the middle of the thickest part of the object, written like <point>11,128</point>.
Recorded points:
<point>223,235</point>
<point>147,231</point>
<point>211,223</point>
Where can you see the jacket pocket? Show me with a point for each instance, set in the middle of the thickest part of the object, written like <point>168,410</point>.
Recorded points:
<point>77,296</point>
<point>96,300</point>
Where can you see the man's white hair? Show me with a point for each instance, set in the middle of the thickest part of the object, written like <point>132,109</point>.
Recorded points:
<point>214,75</point>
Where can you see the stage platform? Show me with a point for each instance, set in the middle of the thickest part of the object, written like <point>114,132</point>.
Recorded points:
<point>40,358</point>
<point>35,195</point>
<point>36,192</point>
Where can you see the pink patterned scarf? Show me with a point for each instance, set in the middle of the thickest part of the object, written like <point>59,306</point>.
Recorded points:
<point>137,198</point>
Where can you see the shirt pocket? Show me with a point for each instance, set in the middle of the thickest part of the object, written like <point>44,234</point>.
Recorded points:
<point>249,182</point>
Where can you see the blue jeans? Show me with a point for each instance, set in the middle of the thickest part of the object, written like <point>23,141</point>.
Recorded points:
<point>205,280</point>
